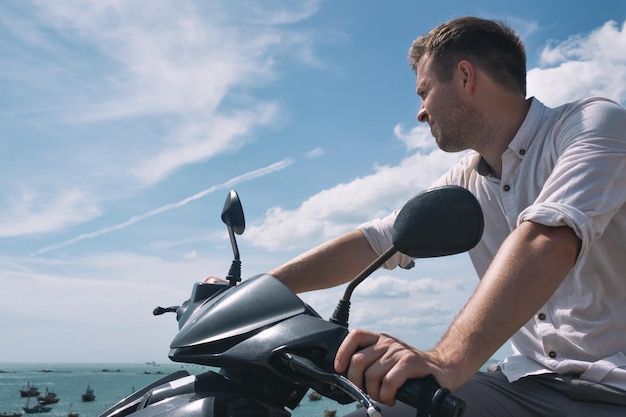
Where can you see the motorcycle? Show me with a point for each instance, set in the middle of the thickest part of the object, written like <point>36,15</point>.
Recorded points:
<point>269,347</point>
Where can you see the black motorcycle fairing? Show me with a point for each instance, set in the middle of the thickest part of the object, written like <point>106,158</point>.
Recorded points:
<point>319,338</point>
<point>201,292</point>
<point>211,405</point>
<point>130,404</point>
<point>248,357</point>
<point>180,406</point>
<point>256,357</point>
<point>209,394</point>
<point>258,302</point>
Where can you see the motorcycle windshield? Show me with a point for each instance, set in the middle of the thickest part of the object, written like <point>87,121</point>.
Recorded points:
<point>258,302</point>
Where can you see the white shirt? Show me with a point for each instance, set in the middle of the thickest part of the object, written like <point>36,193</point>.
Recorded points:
<point>565,166</point>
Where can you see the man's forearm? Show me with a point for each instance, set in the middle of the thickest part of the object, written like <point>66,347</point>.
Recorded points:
<point>527,270</point>
<point>330,264</point>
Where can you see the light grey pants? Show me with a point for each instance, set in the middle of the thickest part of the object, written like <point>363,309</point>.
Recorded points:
<point>492,395</point>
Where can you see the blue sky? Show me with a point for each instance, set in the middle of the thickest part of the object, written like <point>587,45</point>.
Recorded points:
<point>124,123</point>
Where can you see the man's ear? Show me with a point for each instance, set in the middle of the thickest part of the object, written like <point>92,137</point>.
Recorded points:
<point>467,75</point>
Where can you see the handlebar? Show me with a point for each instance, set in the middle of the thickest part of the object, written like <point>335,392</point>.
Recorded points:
<point>430,399</point>
<point>424,394</point>
<point>162,310</point>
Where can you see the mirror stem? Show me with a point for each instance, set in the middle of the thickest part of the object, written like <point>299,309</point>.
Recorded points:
<point>233,243</point>
<point>368,271</point>
<point>234,274</point>
<point>340,315</point>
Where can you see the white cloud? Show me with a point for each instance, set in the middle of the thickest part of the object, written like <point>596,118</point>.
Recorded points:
<point>200,140</point>
<point>31,212</point>
<point>172,206</point>
<point>314,153</point>
<point>268,13</point>
<point>583,65</point>
<point>131,92</point>
<point>170,59</point>
<point>91,301</point>
<point>343,207</point>
<point>418,137</point>
<point>415,313</point>
<point>393,287</point>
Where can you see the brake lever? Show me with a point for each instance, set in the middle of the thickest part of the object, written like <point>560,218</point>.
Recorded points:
<point>309,368</point>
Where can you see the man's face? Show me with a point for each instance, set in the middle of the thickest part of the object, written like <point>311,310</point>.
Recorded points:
<point>451,121</point>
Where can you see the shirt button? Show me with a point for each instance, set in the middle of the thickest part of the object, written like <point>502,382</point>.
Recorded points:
<point>522,151</point>
<point>506,187</point>
<point>541,316</point>
<point>552,354</point>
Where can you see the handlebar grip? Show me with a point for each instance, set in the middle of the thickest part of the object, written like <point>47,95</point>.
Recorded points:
<point>430,399</point>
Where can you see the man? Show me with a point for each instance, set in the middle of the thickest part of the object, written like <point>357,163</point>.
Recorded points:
<point>552,185</point>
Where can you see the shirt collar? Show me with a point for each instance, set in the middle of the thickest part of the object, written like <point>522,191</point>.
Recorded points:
<point>523,138</point>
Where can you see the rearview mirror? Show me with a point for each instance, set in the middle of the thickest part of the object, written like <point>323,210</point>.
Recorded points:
<point>438,222</point>
<point>232,213</point>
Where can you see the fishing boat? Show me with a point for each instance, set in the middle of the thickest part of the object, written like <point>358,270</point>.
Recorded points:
<point>37,408</point>
<point>30,391</point>
<point>71,413</point>
<point>48,398</point>
<point>315,396</point>
<point>89,394</point>
<point>13,414</point>
<point>330,413</point>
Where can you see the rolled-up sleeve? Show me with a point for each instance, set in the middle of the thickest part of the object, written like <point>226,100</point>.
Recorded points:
<point>587,185</point>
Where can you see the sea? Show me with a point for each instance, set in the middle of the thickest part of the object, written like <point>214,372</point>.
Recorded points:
<point>111,383</point>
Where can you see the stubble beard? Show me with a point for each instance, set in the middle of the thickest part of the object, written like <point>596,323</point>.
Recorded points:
<point>461,129</point>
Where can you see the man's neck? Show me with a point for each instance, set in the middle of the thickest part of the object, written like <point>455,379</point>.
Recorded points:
<point>503,132</point>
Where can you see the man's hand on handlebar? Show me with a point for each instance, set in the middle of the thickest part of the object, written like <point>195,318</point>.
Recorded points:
<point>214,280</point>
<point>380,364</point>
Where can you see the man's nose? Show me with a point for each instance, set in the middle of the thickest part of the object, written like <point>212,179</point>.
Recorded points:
<point>422,115</point>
